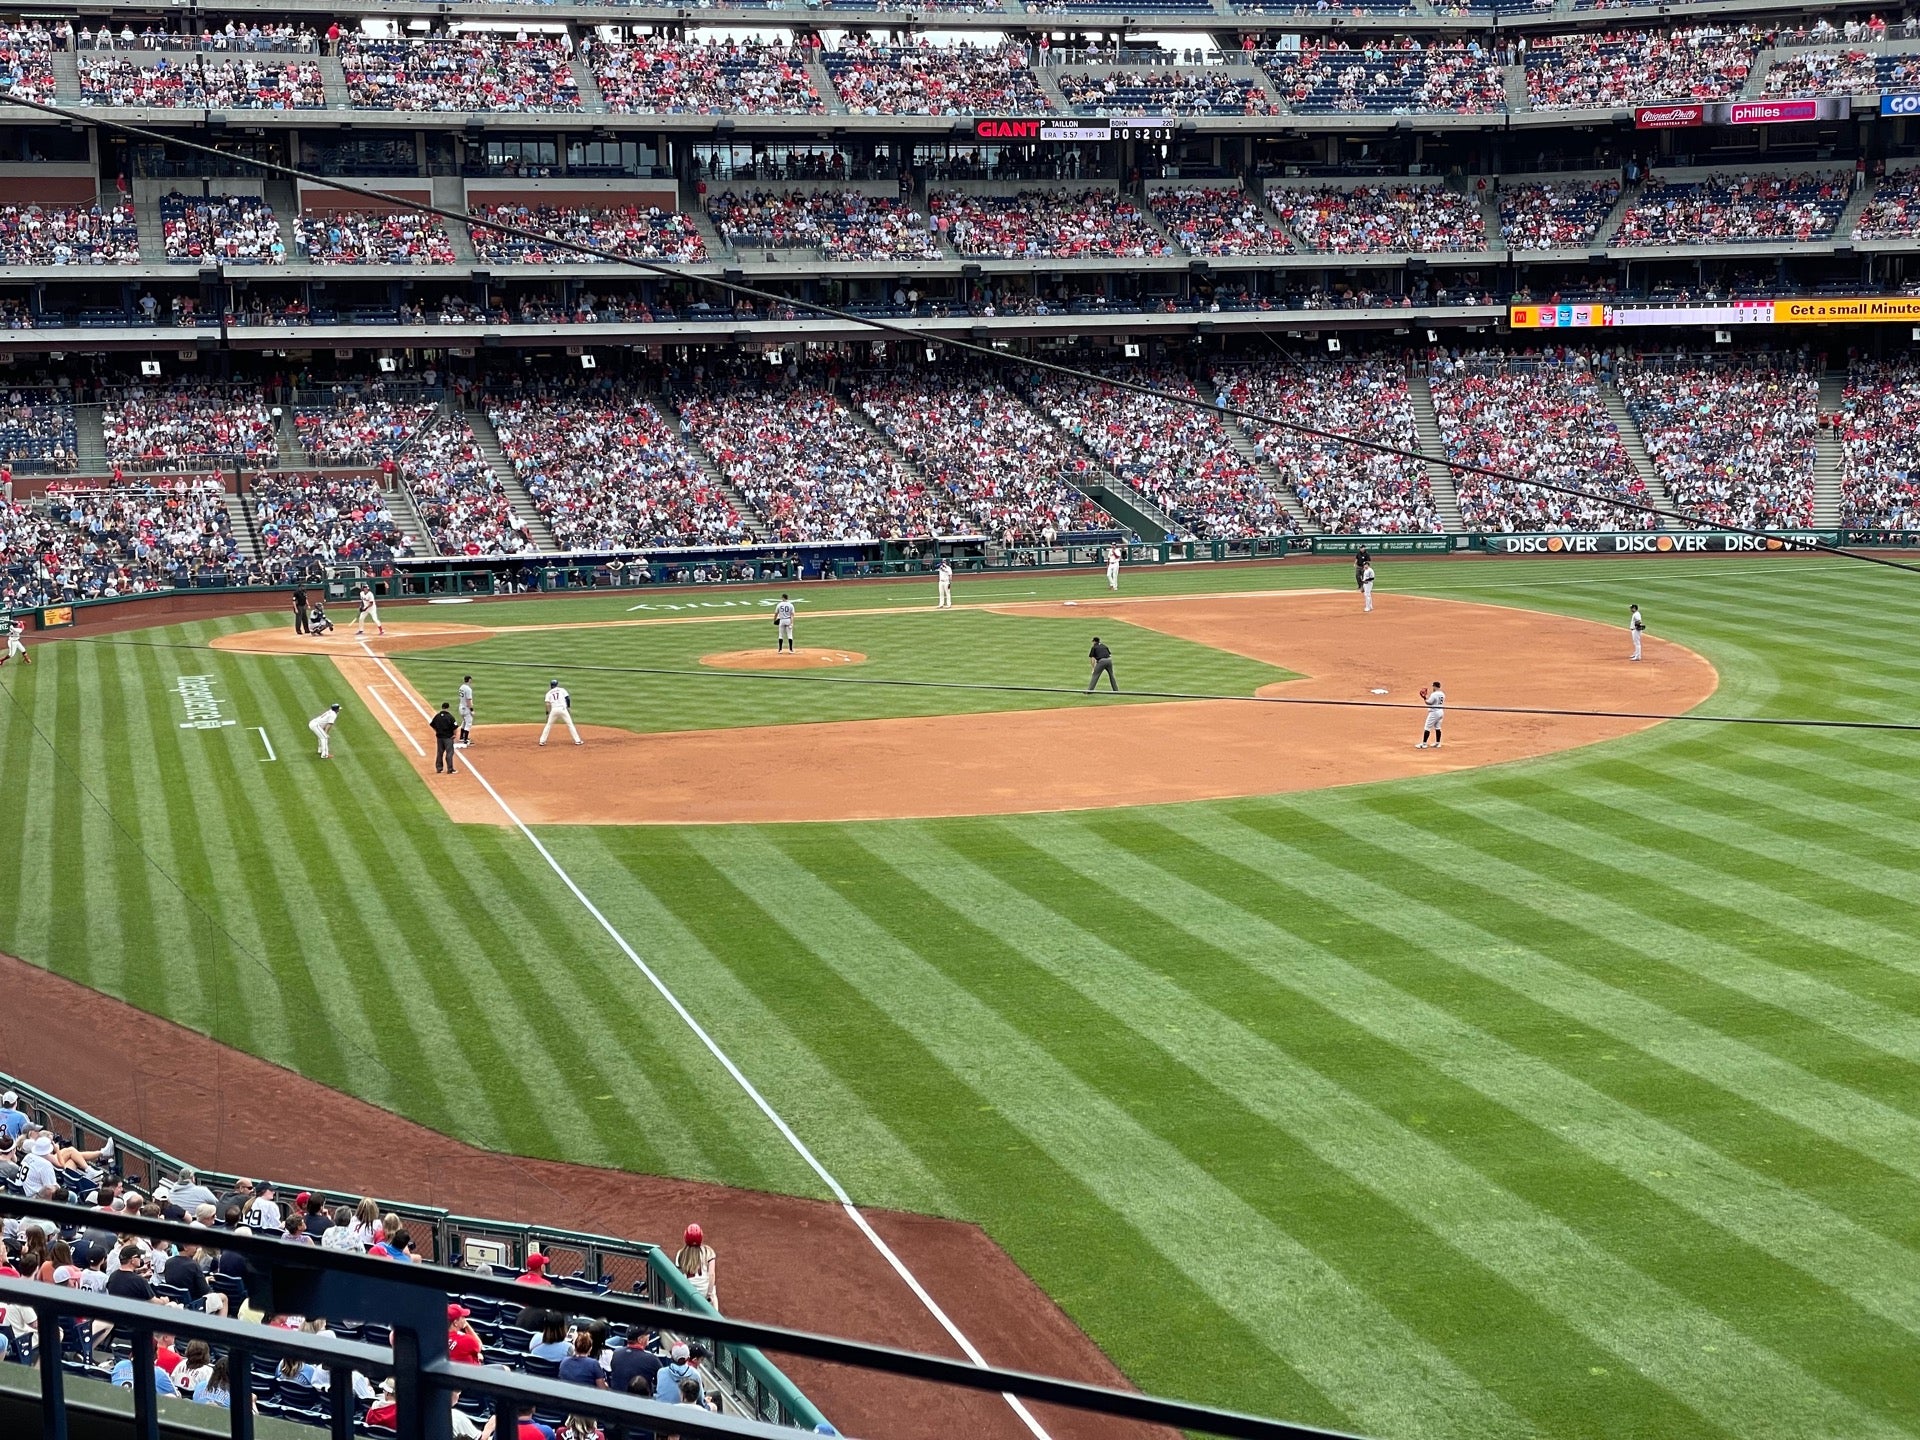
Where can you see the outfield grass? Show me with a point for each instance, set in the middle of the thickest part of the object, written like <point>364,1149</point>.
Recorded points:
<point>649,678</point>
<point>1574,1097</point>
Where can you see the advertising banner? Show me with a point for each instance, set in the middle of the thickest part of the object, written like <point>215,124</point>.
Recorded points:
<point>1047,130</point>
<point>1900,104</point>
<point>1656,542</point>
<point>1744,112</point>
<point>1669,117</point>
<point>1876,309</point>
<point>1382,544</point>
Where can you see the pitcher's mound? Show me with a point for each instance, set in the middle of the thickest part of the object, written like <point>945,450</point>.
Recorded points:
<point>802,659</point>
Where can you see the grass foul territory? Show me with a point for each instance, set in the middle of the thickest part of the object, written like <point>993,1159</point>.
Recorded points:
<point>1574,1097</point>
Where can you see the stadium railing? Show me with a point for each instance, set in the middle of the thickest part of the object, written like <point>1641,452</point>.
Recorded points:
<point>626,1266</point>
<point>410,1303</point>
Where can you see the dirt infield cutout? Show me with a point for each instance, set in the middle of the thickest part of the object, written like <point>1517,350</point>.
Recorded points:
<point>1088,753</point>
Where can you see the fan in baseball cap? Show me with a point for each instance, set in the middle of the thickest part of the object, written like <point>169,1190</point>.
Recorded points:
<point>695,1235</point>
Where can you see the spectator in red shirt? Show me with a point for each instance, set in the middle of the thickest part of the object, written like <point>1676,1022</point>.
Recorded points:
<point>464,1346</point>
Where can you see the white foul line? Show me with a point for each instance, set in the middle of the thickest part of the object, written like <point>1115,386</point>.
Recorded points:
<point>374,691</point>
<point>713,1048</point>
<point>261,731</point>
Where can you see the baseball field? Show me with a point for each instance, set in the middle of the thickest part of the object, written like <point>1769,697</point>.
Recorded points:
<point>1560,1082</point>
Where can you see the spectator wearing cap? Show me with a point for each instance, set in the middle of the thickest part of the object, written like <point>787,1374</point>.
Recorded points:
<point>464,1345</point>
<point>666,1385</point>
<point>263,1212</point>
<point>699,1264</point>
<point>185,1271</point>
<point>190,1194</point>
<point>536,1273</point>
<point>41,1179</point>
<point>635,1368</point>
<point>12,1118</point>
<point>582,1367</point>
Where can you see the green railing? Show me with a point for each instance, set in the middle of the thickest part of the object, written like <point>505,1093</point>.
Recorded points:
<point>627,1266</point>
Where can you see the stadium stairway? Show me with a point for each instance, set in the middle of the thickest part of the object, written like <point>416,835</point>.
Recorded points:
<point>1047,78</point>
<point>287,439</point>
<point>1243,443</point>
<point>1603,237</point>
<point>1829,454</point>
<point>334,81</point>
<point>750,517</point>
<point>591,100</point>
<point>1850,217</point>
<point>1426,424</point>
<point>90,440</point>
<point>285,201</point>
<point>1132,509</point>
<point>246,529</point>
<point>487,440</point>
<point>66,77</point>
<point>822,80</point>
<point>1634,443</point>
<point>153,242</point>
<point>450,192</point>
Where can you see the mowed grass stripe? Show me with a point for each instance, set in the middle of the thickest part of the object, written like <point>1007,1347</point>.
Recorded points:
<point>1353,960</point>
<point>1704,864</point>
<point>973,1145</point>
<point>1359,1356</point>
<point>1354,1185</point>
<point>1681,1011</point>
<point>1608,1297</point>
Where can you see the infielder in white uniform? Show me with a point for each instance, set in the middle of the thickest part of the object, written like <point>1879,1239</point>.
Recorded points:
<point>783,625</point>
<point>945,573</point>
<point>1637,624</point>
<point>1366,585</point>
<point>369,613</point>
<point>322,727</point>
<point>1436,699</point>
<point>1113,567</point>
<point>466,712</point>
<point>559,707</point>
<point>16,643</point>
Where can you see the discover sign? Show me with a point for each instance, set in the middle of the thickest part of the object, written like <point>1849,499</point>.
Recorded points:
<point>1658,542</point>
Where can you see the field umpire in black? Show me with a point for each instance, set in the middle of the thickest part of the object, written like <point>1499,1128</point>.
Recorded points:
<point>299,611</point>
<point>445,727</point>
<point>1102,659</point>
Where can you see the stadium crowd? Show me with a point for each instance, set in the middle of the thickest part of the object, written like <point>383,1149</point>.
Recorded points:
<point>1554,214</point>
<point>1639,67</point>
<point>188,426</point>
<point>136,538</point>
<point>97,235</point>
<point>1731,210</point>
<point>1122,90</point>
<point>929,79</point>
<point>1894,208</point>
<point>1179,457</point>
<point>1879,418</point>
<point>361,427</point>
<point>1822,72</point>
<point>793,450</point>
<point>1370,219</point>
<point>1732,443</point>
<point>26,60</point>
<point>1046,224</point>
<point>1011,474</point>
<point>609,472</point>
<point>201,84</point>
<point>234,229</point>
<point>845,224</point>
<point>649,232</point>
<point>464,505</point>
<point>375,237</point>
<point>655,75</point>
<point>1397,77</point>
<point>325,517</point>
<point>1341,487</point>
<point>471,72</point>
<point>37,431</point>
<point>1212,220</point>
<point>1541,417</point>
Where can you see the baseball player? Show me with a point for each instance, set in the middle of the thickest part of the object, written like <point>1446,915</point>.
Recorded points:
<point>945,574</point>
<point>1366,586</point>
<point>1436,699</point>
<point>783,625</point>
<point>1637,625</point>
<point>16,643</point>
<point>466,711</point>
<point>1102,659</point>
<point>559,707</point>
<point>322,727</point>
<point>369,612</point>
<point>1113,567</point>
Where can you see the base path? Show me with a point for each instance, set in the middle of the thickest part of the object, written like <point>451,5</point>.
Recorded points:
<point>789,1262</point>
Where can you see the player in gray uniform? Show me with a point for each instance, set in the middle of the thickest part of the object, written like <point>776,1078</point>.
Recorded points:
<point>1637,623</point>
<point>1436,699</point>
<point>466,712</point>
<point>783,625</point>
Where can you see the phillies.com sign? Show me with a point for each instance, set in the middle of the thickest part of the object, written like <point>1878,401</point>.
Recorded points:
<point>1658,542</point>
